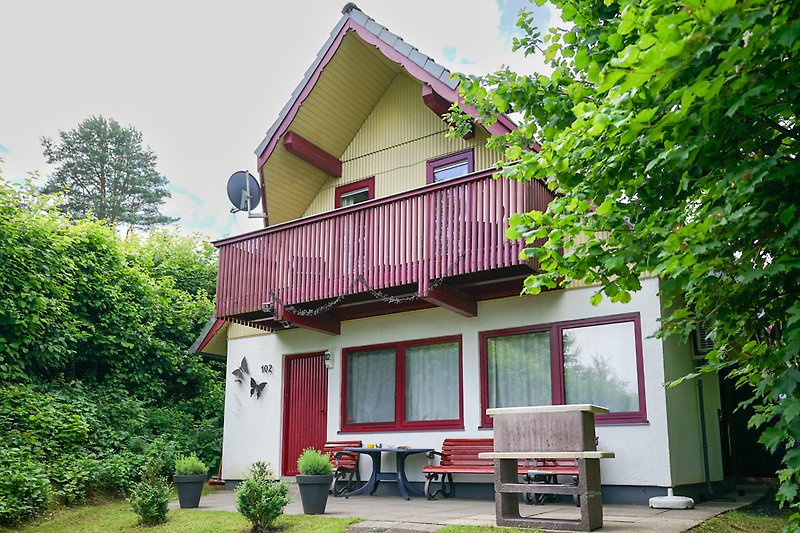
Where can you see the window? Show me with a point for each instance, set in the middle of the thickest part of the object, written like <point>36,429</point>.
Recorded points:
<point>452,166</point>
<point>595,361</point>
<point>355,193</point>
<point>404,385</point>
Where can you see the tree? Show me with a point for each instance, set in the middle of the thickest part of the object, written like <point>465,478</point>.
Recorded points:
<point>669,135</point>
<point>103,168</point>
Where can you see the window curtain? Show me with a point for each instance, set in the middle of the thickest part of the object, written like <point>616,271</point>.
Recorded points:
<point>519,370</point>
<point>432,382</point>
<point>370,386</point>
<point>600,366</point>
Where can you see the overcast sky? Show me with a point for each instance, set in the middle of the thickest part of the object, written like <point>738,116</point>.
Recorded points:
<point>203,81</point>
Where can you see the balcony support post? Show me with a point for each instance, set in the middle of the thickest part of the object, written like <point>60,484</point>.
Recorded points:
<point>439,105</point>
<point>453,299</point>
<point>312,154</point>
<point>320,323</point>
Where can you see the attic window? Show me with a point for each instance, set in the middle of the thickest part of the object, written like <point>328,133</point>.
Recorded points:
<point>449,167</point>
<point>355,193</point>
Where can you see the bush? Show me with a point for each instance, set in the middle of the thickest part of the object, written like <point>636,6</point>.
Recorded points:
<point>24,487</point>
<point>73,479</point>
<point>261,498</point>
<point>314,463</point>
<point>189,466</point>
<point>150,496</point>
<point>116,474</point>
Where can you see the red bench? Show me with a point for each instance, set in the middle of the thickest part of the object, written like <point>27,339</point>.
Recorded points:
<point>460,456</point>
<point>345,465</point>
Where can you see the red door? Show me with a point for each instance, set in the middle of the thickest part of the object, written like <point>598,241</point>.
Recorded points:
<point>305,405</point>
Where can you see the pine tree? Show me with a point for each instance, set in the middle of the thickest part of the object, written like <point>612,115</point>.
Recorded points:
<point>103,168</point>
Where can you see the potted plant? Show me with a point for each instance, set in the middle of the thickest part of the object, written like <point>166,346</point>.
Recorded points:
<point>190,476</point>
<point>314,480</point>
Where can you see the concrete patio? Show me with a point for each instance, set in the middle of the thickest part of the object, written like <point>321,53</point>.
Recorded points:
<point>390,513</point>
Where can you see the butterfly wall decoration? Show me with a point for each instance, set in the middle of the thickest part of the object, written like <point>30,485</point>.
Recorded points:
<point>241,371</point>
<point>256,388</point>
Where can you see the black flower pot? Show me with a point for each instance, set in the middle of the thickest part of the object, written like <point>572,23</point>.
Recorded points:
<point>189,488</point>
<point>314,492</point>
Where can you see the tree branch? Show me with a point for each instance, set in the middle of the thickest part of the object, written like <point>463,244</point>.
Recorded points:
<point>776,125</point>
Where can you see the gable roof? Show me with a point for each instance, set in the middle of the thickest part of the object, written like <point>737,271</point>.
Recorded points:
<point>341,87</point>
<point>419,65</point>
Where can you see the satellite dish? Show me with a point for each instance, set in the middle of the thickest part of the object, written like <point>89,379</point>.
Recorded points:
<point>243,191</point>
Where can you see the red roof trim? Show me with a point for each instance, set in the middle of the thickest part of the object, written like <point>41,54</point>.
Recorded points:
<point>501,126</point>
<point>210,335</point>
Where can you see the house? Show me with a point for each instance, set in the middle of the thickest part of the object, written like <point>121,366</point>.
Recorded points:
<point>381,302</point>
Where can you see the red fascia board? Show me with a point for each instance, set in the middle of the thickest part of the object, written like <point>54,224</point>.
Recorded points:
<point>210,335</point>
<point>501,126</point>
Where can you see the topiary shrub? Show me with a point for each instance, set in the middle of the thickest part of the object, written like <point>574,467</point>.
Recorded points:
<point>314,463</point>
<point>24,487</point>
<point>189,466</point>
<point>261,498</point>
<point>150,496</point>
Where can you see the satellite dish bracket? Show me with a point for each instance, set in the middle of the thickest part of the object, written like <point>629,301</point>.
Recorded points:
<point>245,203</point>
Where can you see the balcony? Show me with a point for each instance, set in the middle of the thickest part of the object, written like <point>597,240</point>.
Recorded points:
<point>438,245</point>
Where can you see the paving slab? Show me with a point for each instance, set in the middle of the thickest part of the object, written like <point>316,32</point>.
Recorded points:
<point>392,514</point>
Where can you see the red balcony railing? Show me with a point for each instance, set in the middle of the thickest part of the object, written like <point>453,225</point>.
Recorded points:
<point>438,231</point>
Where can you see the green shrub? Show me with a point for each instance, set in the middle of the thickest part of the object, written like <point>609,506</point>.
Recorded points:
<point>314,463</point>
<point>24,487</point>
<point>73,479</point>
<point>117,474</point>
<point>261,498</point>
<point>189,465</point>
<point>150,496</point>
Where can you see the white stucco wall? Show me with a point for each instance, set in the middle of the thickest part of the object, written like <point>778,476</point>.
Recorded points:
<point>253,428</point>
<point>683,417</point>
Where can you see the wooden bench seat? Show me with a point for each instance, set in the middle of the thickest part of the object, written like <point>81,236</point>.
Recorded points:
<point>345,465</point>
<point>461,456</point>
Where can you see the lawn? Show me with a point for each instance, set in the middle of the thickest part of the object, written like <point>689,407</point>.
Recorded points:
<point>116,517</point>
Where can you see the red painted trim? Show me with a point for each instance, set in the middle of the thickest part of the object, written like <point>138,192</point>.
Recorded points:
<point>557,363</point>
<point>439,162</point>
<point>501,126</point>
<point>210,335</point>
<point>399,423</point>
<point>434,100</point>
<point>312,154</point>
<point>366,205</point>
<point>368,183</point>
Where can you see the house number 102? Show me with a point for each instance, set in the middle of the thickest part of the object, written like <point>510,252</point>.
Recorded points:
<point>267,369</point>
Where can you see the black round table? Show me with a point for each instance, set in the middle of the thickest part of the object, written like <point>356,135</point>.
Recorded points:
<point>378,475</point>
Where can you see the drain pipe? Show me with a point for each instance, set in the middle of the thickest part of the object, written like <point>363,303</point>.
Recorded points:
<point>703,438</point>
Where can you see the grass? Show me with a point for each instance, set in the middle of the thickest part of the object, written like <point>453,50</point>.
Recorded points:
<point>762,516</point>
<point>117,517</point>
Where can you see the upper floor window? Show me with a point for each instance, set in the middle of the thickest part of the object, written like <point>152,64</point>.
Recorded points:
<point>355,193</point>
<point>404,385</point>
<point>451,166</point>
<point>596,361</point>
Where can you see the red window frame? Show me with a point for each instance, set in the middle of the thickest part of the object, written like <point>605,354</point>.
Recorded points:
<point>399,423</point>
<point>557,364</point>
<point>434,164</point>
<point>368,183</point>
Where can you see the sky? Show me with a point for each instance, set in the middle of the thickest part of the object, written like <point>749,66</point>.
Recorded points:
<point>203,81</point>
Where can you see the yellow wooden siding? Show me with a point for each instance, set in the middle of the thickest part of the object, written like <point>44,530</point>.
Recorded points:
<point>239,331</point>
<point>396,140</point>
<point>347,91</point>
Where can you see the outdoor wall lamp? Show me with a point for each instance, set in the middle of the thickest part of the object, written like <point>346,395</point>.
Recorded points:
<point>328,359</point>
